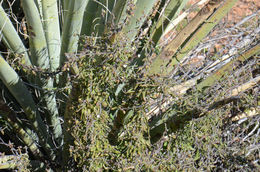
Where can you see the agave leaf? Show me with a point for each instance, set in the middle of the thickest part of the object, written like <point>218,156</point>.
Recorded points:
<point>53,116</point>
<point>203,23</point>
<point>25,137</point>
<point>171,11</point>
<point>210,80</point>
<point>52,31</point>
<point>17,88</point>
<point>140,13</point>
<point>39,6</point>
<point>246,86</point>
<point>40,58</point>
<point>11,38</point>
<point>89,17</point>
<point>174,121</point>
<point>14,162</point>
<point>248,113</point>
<point>10,116</point>
<point>65,5</point>
<point>182,17</point>
<point>15,85</point>
<point>8,161</point>
<point>118,14</point>
<point>204,30</point>
<point>38,46</point>
<point>72,27</point>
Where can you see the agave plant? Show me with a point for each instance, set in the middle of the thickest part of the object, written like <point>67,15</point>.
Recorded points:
<point>43,46</point>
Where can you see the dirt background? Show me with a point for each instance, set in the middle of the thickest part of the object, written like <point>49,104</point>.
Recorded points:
<point>242,9</point>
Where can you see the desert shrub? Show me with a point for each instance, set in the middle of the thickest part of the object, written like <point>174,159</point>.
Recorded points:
<point>106,140</point>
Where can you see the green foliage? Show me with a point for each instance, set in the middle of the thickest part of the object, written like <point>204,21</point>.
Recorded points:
<point>111,129</point>
<point>199,145</point>
<point>102,104</point>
